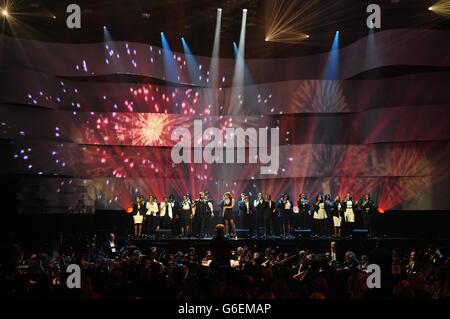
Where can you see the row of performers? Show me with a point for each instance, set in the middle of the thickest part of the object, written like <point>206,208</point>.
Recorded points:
<point>262,216</point>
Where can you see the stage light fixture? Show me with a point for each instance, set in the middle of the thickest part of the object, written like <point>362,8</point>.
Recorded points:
<point>441,7</point>
<point>287,21</point>
<point>5,13</point>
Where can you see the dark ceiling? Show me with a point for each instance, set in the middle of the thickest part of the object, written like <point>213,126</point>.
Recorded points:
<point>142,21</point>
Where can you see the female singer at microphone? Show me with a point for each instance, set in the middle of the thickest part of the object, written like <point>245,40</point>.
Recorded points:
<point>349,214</point>
<point>186,215</point>
<point>138,216</point>
<point>329,207</point>
<point>304,211</point>
<point>228,217</point>
<point>259,213</point>
<point>320,216</point>
<point>368,212</point>
<point>150,222</point>
<point>285,209</point>
<point>166,210</point>
<point>337,216</point>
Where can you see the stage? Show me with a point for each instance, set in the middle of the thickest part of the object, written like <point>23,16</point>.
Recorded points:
<point>314,245</point>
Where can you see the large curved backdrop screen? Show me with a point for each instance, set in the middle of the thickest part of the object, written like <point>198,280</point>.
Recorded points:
<point>90,126</point>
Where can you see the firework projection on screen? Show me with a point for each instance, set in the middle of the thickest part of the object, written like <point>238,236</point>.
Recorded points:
<point>393,174</point>
<point>320,97</point>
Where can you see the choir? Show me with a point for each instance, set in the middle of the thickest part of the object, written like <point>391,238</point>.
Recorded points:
<point>262,218</point>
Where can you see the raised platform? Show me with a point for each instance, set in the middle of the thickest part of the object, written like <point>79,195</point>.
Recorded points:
<point>358,245</point>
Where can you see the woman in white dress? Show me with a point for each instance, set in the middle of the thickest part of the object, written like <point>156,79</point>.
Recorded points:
<point>150,216</point>
<point>349,214</point>
<point>138,216</point>
<point>337,216</point>
<point>167,213</point>
<point>320,216</point>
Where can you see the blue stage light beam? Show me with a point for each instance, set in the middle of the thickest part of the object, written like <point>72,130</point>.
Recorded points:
<point>113,58</point>
<point>235,50</point>
<point>332,67</point>
<point>193,66</point>
<point>106,35</point>
<point>170,66</point>
<point>371,55</point>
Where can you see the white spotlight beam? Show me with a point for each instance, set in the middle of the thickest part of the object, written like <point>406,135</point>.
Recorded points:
<point>237,97</point>
<point>214,67</point>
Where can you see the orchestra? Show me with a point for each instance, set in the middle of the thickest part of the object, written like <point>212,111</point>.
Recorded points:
<point>261,217</point>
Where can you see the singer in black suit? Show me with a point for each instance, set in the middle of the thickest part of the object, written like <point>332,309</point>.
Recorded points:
<point>368,212</point>
<point>247,210</point>
<point>304,211</point>
<point>269,216</point>
<point>258,204</point>
<point>202,214</point>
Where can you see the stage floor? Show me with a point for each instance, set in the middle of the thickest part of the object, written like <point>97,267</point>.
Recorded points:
<point>312,244</point>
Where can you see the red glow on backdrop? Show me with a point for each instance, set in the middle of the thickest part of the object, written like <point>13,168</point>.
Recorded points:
<point>415,167</point>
